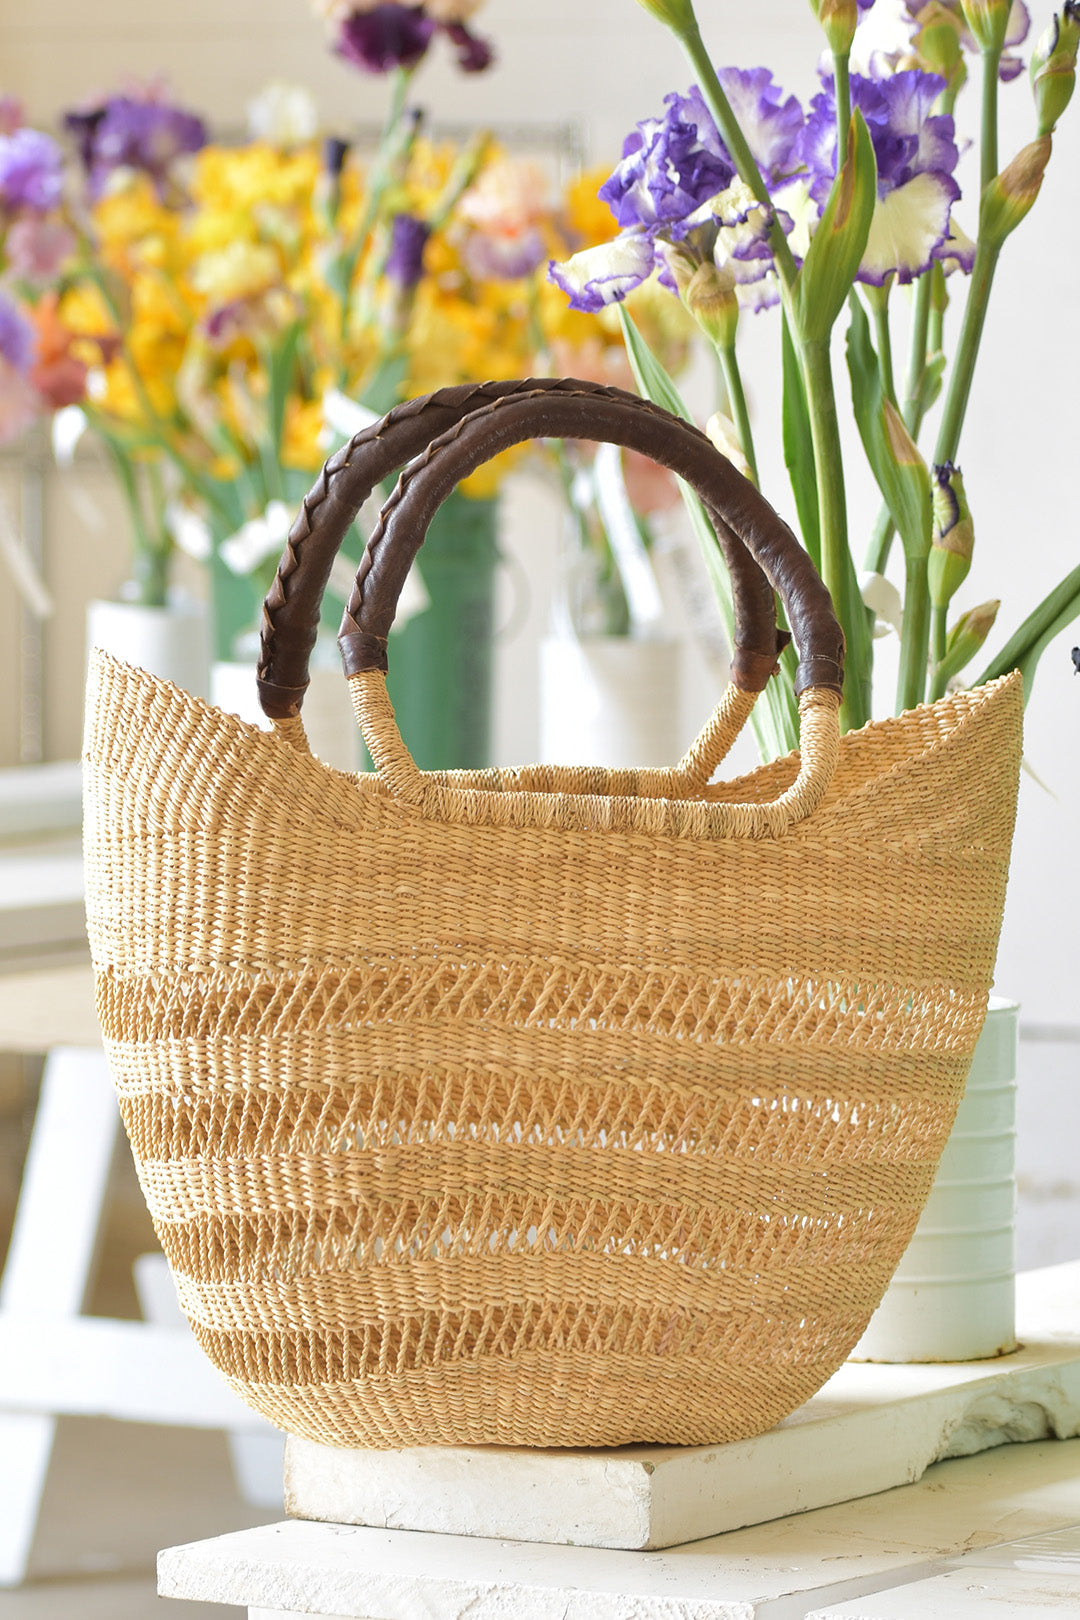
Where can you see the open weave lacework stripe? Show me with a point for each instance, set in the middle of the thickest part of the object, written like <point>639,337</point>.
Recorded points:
<point>221,1286</point>
<point>363,1100</point>
<point>677,1005</point>
<point>398,1346</point>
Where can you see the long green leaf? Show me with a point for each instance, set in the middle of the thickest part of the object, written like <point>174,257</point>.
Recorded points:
<point>281,375</point>
<point>904,480</point>
<point>799,447</point>
<point>899,469</point>
<point>837,246</point>
<point>1024,649</point>
<point>777,729</point>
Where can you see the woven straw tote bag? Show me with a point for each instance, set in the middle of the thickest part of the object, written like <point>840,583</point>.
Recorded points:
<point>551,1107</point>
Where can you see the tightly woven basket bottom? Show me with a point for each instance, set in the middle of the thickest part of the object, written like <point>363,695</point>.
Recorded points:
<point>547,1399</point>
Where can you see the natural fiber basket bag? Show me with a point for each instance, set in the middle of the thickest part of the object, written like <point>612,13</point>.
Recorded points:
<point>544,1107</point>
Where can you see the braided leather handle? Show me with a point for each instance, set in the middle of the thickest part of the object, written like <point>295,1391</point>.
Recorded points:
<point>743,517</point>
<point>291,610</point>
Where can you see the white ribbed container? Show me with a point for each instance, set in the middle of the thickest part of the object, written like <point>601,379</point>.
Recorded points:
<point>171,642</point>
<point>952,1297</point>
<point>329,722</point>
<point>609,700</point>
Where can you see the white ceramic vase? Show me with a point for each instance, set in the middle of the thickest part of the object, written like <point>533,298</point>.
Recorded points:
<point>328,716</point>
<point>609,700</point>
<point>171,642</point>
<point>952,1297</point>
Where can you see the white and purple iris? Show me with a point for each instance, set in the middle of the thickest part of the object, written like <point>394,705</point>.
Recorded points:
<point>677,182</point>
<point>916,155</point>
<point>676,185</point>
<point>133,132</point>
<point>31,172</point>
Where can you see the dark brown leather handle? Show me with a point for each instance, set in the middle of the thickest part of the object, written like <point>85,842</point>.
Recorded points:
<point>742,516</point>
<point>291,610</point>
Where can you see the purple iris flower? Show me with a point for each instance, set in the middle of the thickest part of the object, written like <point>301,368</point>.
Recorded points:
<point>671,181</point>
<point>18,340</point>
<point>405,261</point>
<point>670,167</point>
<point>474,54</point>
<point>503,258</point>
<point>771,121</point>
<point>604,275</point>
<point>916,154</point>
<point>131,133</point>
<point>907,138</point>
<point>396,35</point>
<point>31,171</point>
<point>388,36</point>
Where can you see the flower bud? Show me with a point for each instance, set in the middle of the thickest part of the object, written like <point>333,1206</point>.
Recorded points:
<point>725,438</point>
<point>967,636</point>
<point>334,153</point>
<point>953,536</point>
<point>710,297</point>
<point>838,18</point>
<point>938,44</point>
<point>988,21</point>
<point>1011,195</point>
<point>676,14</point>
<point>1053,67</point>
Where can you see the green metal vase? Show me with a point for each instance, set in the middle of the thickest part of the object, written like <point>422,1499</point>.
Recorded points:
<point>440,678</point>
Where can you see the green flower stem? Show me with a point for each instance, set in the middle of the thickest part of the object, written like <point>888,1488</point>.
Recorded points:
<point>462,175</point>
<point>938,639</point>
<point>729,367</point>
<point>982,277</point>
<point>842,81</point>
<point>735,141</point>
<point>158,427</point>
<point>150,556</point>
<point>379,179</point>
<point>836,566</point>
<point>988,131</point>
<point>882,536</point>
<point>914,405</point>
<point>884,530</point>
<point>879,308</point>
<point>967,351</point>
<point>915,641</point>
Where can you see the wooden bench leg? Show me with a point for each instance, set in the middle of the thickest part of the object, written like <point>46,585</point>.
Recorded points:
<point>50,1262</point>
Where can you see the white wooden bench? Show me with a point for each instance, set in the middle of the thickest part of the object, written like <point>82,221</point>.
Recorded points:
<point>54,1361</point>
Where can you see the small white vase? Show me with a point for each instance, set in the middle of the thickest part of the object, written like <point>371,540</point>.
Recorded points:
<point>953,1296</point>
<point>171,642</point>
<point>329,722</point>
<point>609,700</point>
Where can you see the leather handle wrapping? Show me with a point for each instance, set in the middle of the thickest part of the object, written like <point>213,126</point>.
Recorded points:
<point>747,526</point>
<point>291,610</point>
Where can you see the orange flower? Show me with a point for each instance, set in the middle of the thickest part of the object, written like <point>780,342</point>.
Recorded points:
<point>56,373</point>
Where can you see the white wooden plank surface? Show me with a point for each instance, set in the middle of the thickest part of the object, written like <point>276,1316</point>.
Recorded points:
<point>777,1571</point>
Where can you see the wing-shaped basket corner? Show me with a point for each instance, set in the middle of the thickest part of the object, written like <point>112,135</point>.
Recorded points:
<point>504,1116</point>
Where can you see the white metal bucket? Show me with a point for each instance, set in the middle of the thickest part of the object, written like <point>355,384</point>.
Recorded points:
<point>608,700</point>
<point>952,1297</point>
